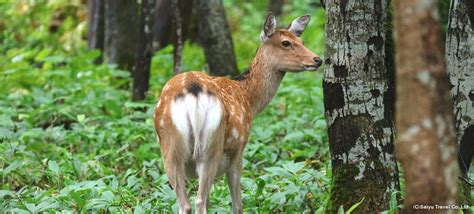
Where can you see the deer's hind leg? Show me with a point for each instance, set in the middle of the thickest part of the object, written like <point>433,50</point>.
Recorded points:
<point>207,167</point>
<point>175,155</point>
<point>234,172</point>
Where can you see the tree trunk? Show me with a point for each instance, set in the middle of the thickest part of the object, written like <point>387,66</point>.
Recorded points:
<point>460,67</point>
<point>141,74</point>
<point>177,36</point>
<point>95,36</point>
<point>121,32</point>
<point>358,101</point>
<point>276,7</point>
<point>163,29</point>
<point>425,143</point>
<point>215,37</point>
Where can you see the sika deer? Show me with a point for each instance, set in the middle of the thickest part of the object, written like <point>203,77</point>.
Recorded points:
<point>203,122</point>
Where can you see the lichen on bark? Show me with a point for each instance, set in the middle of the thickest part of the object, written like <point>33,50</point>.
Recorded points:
<point>358,105</point>
<point>460,65</point>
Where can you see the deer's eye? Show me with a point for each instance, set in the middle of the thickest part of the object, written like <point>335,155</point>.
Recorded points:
<point>286,44</point>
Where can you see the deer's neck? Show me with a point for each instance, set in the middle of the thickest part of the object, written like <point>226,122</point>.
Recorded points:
<point>262,81</point>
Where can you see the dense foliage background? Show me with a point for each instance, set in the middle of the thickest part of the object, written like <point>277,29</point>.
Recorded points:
<point>73,141</point>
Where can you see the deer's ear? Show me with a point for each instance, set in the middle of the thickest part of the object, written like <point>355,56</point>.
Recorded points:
<point>268,27</point>
<point>298,25</point>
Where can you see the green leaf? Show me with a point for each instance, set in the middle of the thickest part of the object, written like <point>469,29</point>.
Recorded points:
<point>168,193</point>
<point>260,185</point>
<point>353,207</point>
<point>279,171</point>
<point>393,201</point>
<point>81,118</point>
<point>20,211</point>
<point>294,167</point>
<point>320,210</point>
<point>294,136</point>
<point>5,133</point>
<point>31,207</point>
<point>154,174</point>
<point>340,210</point>
<point>46,205</point>
<point>54,59</point>
<point>42,54</point>
<point>278,198</point>
<point>138,105</point>
<point>14,165</point>
<point>53,166</point>
<point>108,196</point>
<point>138,210</point>
<point>6,121</point>
<point>113,107</point>
<point>76,196</point>
<point>4,193</point>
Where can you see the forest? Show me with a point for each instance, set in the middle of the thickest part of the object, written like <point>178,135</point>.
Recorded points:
<point>384,125</point>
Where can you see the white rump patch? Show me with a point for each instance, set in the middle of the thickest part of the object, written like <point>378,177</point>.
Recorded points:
<point>200,116</point>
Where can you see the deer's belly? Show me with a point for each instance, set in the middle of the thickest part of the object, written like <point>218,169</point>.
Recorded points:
<point>191,167</point>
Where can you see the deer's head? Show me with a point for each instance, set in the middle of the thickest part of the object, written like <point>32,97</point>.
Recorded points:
<point>284,48</point>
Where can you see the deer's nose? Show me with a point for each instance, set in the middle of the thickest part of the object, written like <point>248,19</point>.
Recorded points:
<point>318,61</point>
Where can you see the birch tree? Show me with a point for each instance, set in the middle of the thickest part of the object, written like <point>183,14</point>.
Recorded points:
<point>358,100</point>
<point>425,143</point>
<point>460,67</point>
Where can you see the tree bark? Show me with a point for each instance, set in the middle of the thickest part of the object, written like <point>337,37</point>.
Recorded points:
<point>424,119</point>
<point>215,37</point>
<point>141,74</point>
<point>163,26</point>
<point>177,36</point>
<point>460,67</point>
<point>276,7</point>
<point>121,32</point>
<point>95,36</point>
<point>358,101</point>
